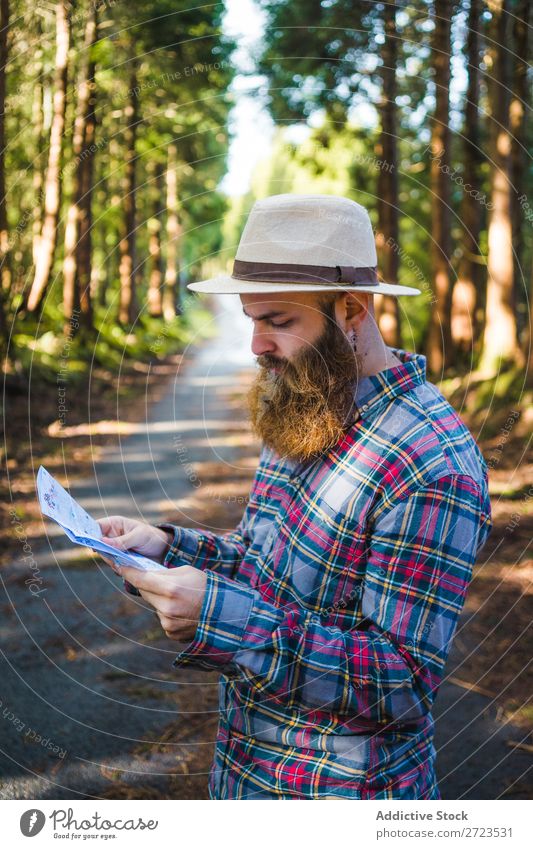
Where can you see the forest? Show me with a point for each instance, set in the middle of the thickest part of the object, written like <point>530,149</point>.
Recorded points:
<point>114,131</point>
<point>114,134</point>
<point>134,139</point>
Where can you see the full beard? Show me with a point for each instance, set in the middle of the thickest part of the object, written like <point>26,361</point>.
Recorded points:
<point>305,409</point>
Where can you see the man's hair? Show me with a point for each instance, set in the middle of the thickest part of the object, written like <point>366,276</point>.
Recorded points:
<point>326,303</point>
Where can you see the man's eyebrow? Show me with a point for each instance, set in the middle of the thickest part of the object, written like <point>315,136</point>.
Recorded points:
<point>272,314</point>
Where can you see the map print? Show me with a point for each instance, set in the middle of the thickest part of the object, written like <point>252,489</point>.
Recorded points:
<point>79,526</point>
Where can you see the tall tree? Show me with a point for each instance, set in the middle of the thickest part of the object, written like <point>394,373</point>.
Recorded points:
<point>5,275</point>
<point>127,246</point>
<point>529,338</point>
<point>52,189</point>
<point>172,298</point>
<point>439,352</point>
<point>84,248</point>
<point>38,134</point>
<point>519,108</point>
<point>155,281</point>
<point>467,294</point>
<point>500,344</point>
<point>75,296</point>
<point>387,235</point>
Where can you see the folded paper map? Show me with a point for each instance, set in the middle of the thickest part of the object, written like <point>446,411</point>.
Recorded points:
<point>57,504</point>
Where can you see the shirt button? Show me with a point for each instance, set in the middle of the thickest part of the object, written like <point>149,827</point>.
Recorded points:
<point>364,408</point>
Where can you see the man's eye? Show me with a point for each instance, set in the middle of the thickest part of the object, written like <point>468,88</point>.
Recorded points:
<point>282,324</point>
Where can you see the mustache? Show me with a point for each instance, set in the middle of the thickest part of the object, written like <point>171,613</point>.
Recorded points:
<point>268,361</point>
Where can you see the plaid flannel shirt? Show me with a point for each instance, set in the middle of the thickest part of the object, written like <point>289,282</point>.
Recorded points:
<point>331,608</point>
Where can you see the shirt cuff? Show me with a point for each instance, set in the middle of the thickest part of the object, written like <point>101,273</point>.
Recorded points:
<point>226,608</point>
<point>183,548</point>
<point>173,551</point>
<point>170,557</point>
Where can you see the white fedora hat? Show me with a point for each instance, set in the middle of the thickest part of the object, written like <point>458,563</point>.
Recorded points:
<point>304,243</point>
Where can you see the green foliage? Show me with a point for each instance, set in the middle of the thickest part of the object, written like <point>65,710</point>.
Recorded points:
<point>151,339</point>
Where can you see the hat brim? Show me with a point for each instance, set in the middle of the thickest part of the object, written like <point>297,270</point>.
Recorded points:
<point>225,284</point>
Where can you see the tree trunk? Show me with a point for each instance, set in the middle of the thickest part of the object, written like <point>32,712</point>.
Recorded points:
<point>127,308</point>
<point>520,107</point>
<point>106,190</point>
<point>439,335</point>
<point>75,296</point>
<point>5,272</point>
<point>500,337</point>
<point>529,374</point>
<point>84,249</point>
<point>467,294</point>
<point>155,285</point>
<point>387,310</point>
<point>52,189</point>
<point>171,299</point>
<point>38,133</point>
<point>101,273</point>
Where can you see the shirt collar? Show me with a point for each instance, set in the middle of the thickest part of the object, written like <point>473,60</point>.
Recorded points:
<point>376,388</point>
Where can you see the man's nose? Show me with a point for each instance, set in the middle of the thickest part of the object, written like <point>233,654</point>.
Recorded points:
<point>262,343</point>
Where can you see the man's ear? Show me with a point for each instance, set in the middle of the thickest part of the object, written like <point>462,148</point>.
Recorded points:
<point>355,308</point>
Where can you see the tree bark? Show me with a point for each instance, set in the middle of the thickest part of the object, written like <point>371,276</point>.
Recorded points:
<point>5,271</point>
<point>84,247</point>
<point>171,296</point>
<point>439,335</point>
<point>127,308</point>
<point>529,374</point>
<point>155,285</point>
<point>106,181</point>
<point>519,108</point>
<point>387,310</point>
<point>52,190</point>
<point>500,336</point>
<point>467,292</point>
<point>76,293</point>
<point>38,133</point>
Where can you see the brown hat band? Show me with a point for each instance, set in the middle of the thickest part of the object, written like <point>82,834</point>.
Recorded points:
<point>279,272</point>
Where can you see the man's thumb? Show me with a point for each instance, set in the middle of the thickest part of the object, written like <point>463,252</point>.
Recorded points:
<point>123,542</point>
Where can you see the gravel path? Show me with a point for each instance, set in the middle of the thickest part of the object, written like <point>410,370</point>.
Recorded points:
<point>90,704</point>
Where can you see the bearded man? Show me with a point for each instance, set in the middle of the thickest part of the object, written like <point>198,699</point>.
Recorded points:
<point>330,610</point>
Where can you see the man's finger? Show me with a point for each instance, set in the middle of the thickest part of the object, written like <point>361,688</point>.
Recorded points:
<point>105,559</point>
<point>106,525</point>
<point>116,542</point>
<point>110,541</point>
<point>153,581</point>
<point>125,542</point>
<point>163,607</point>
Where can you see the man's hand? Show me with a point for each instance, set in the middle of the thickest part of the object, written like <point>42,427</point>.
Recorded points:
<point>130,534</point>
<point>176,595</point>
